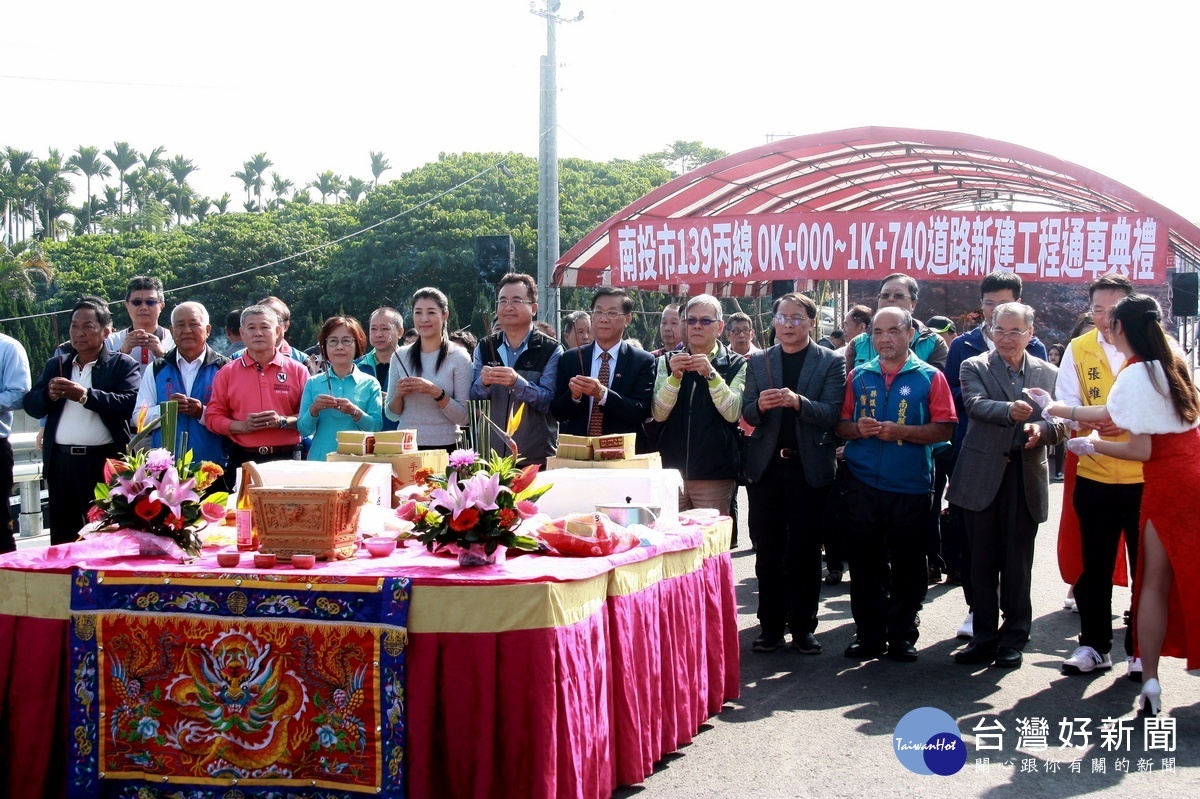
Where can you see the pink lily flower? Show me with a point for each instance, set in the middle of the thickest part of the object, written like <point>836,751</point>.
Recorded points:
<point>172,493</point>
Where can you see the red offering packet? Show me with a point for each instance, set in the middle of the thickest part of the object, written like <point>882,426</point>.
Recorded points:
<point>586,535</point>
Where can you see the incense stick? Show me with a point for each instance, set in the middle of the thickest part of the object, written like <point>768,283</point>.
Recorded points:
<point>766,353</point>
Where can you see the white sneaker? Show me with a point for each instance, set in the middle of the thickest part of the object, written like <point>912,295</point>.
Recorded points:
<point>1134,666</point>
<point>967,628</point>
<point>1069,604</point>
<point>1085,660</point>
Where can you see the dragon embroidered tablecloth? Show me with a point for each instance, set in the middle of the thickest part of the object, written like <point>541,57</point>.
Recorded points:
<point>195,684</point>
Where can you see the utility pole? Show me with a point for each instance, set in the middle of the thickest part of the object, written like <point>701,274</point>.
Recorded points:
<point>548,235</point>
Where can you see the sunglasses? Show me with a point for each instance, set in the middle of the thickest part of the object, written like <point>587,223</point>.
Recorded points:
<point>693,321</point>
<point>139,303</point>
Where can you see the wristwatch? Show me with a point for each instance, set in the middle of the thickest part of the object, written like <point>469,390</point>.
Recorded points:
<point>84,399</point>
<point>283,422</point>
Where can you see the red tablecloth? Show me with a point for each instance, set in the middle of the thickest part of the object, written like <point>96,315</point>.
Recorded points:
<point>563,677</point>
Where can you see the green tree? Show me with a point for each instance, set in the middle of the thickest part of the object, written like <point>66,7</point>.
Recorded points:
<point>684,156</point>
<point>87,161</point>
<point>222,203</point>
<point>54,190</point>
<point>356,188</point>
<point>326,184</point>
<point>258,166</point>
<point>280,186</point>
<point>123,158</point>
<point>379,165</point>
<point>154,160</point>
<point>247,179</point>
<point>19,187</point>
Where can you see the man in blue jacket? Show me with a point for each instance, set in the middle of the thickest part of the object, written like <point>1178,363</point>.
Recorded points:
<point>185,374</point>
<point>895,408</point>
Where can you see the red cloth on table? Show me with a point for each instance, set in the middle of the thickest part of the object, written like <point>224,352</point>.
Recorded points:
<point>34,681</point>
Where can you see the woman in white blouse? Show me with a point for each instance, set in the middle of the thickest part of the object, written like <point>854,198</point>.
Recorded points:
<point>429,380</point>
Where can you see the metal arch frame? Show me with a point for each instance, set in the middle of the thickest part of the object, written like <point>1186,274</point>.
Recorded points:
<point>873,169</point>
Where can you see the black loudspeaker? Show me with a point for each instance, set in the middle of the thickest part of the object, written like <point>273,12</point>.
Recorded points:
<point>494,257</point>
<point>781,287</point>
<point>1185,292</point>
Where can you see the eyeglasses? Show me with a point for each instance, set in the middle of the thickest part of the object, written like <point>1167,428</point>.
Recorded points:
<point>793,321</point>
<point>739,331</point>
<point>886,296</point>
<point>607,314</point>
<point>513,303</point>
<point>998,333</point>
<point>340,342</point>
<point>703,322</point>
<point>138,303</point>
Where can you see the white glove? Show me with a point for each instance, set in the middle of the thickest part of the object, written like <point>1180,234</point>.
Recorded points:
<point>1041,396</point>
<point>1082,446</point>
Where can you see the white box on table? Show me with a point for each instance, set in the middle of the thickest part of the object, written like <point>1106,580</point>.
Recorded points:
<point>329,474</point>
<point>581,490</point>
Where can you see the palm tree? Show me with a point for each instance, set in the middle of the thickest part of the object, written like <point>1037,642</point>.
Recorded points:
<point>154,160</point>
<point>18,268</point>
<point>222,203</point>
<point>326,184</point>
<point>53,188</point>
<point>247,179</point>
<point>20,189</point>
<point>356,188</point>
<point>133,181</point>
<point>379,165</point>
<point>180,168</point>
<point>279,185</point>
<point>123,159</point>
<point>87,161</point>
<point>179,198</point>
<point>258,166</point>
<point>201,208</point>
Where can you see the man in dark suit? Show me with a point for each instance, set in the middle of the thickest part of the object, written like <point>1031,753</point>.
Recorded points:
<point>88,395</point>
<point>792,397</point>
<point>605,386</point>
<point>1002,483</point>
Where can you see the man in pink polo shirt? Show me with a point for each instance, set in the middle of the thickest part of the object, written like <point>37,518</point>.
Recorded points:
<point>256,398</point>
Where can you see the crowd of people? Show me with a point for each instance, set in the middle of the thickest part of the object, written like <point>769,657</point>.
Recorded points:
<point>845,442</point>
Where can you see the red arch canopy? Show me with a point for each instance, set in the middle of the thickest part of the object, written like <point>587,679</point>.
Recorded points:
<point>872,169</point>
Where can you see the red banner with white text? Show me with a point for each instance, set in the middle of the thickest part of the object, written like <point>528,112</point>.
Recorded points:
<point>934,245</point>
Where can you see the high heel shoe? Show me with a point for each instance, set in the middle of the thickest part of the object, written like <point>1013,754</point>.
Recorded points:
<point>1151,699</point>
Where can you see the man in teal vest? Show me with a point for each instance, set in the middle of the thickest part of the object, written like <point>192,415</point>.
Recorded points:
<point>898,290</point>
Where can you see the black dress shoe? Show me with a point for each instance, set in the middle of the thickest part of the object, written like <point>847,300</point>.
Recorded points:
<point>865,650</point>
<point>902,651</point>
<point>806,644</point>
<point>1007,658</point>
<point>834,577</point>
<point>974,653</point>
<point>767,642</point>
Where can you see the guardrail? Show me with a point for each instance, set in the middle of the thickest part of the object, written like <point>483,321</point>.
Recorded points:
<point>27,474</point>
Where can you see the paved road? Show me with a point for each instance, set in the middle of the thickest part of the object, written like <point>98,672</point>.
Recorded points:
<point>822,725</point>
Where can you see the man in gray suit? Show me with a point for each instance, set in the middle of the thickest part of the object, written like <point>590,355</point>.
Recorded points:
<point>792,396</point>
<point>1002,482</point>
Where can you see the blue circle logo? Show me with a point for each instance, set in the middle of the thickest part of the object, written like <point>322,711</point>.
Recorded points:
<point>927,741</point>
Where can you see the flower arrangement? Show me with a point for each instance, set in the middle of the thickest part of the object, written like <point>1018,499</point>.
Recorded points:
<point>476,505</point>
<point>153,492</point>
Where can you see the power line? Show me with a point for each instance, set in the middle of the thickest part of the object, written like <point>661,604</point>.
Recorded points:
<point>498,165</point>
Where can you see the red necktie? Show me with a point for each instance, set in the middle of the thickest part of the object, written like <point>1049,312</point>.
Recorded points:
<point>596,423</point>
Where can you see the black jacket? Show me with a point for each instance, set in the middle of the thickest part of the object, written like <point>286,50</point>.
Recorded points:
<point>115,381</point>
<point>628,403</point>
<point>696,439</point>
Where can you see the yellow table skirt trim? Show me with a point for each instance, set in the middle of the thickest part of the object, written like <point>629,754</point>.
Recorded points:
<point>38,594</point>
<point>504,608</point>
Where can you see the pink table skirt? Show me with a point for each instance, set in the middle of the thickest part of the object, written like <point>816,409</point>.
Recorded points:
<point>547,678</point>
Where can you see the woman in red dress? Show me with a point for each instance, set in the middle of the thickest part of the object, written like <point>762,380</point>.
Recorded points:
<point>1155,400</point>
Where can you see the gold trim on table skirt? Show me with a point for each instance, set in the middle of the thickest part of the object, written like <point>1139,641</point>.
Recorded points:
<point>485,608</point>
<point>42,595</point>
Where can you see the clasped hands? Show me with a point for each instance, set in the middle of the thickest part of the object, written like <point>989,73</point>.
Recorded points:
<point>685,362</point>
<point>869,426</point>
<point>323,402</point>
<point>585,386</point>
<point>498,376</point>
<point>62,388</point>
<point>188,406</point>
<point>417,385</point>
<point>1052,407</point>
<point>778,398</point>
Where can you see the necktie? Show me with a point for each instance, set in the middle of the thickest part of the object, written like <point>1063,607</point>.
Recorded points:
<point>596,422</point>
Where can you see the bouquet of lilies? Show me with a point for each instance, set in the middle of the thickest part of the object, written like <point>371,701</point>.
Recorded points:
<point>475,503</point>
<point>153,492</point>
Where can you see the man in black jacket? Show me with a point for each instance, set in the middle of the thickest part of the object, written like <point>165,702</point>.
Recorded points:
<point>594,398</point>
<point>87,395</point>
<point>697,402</point>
